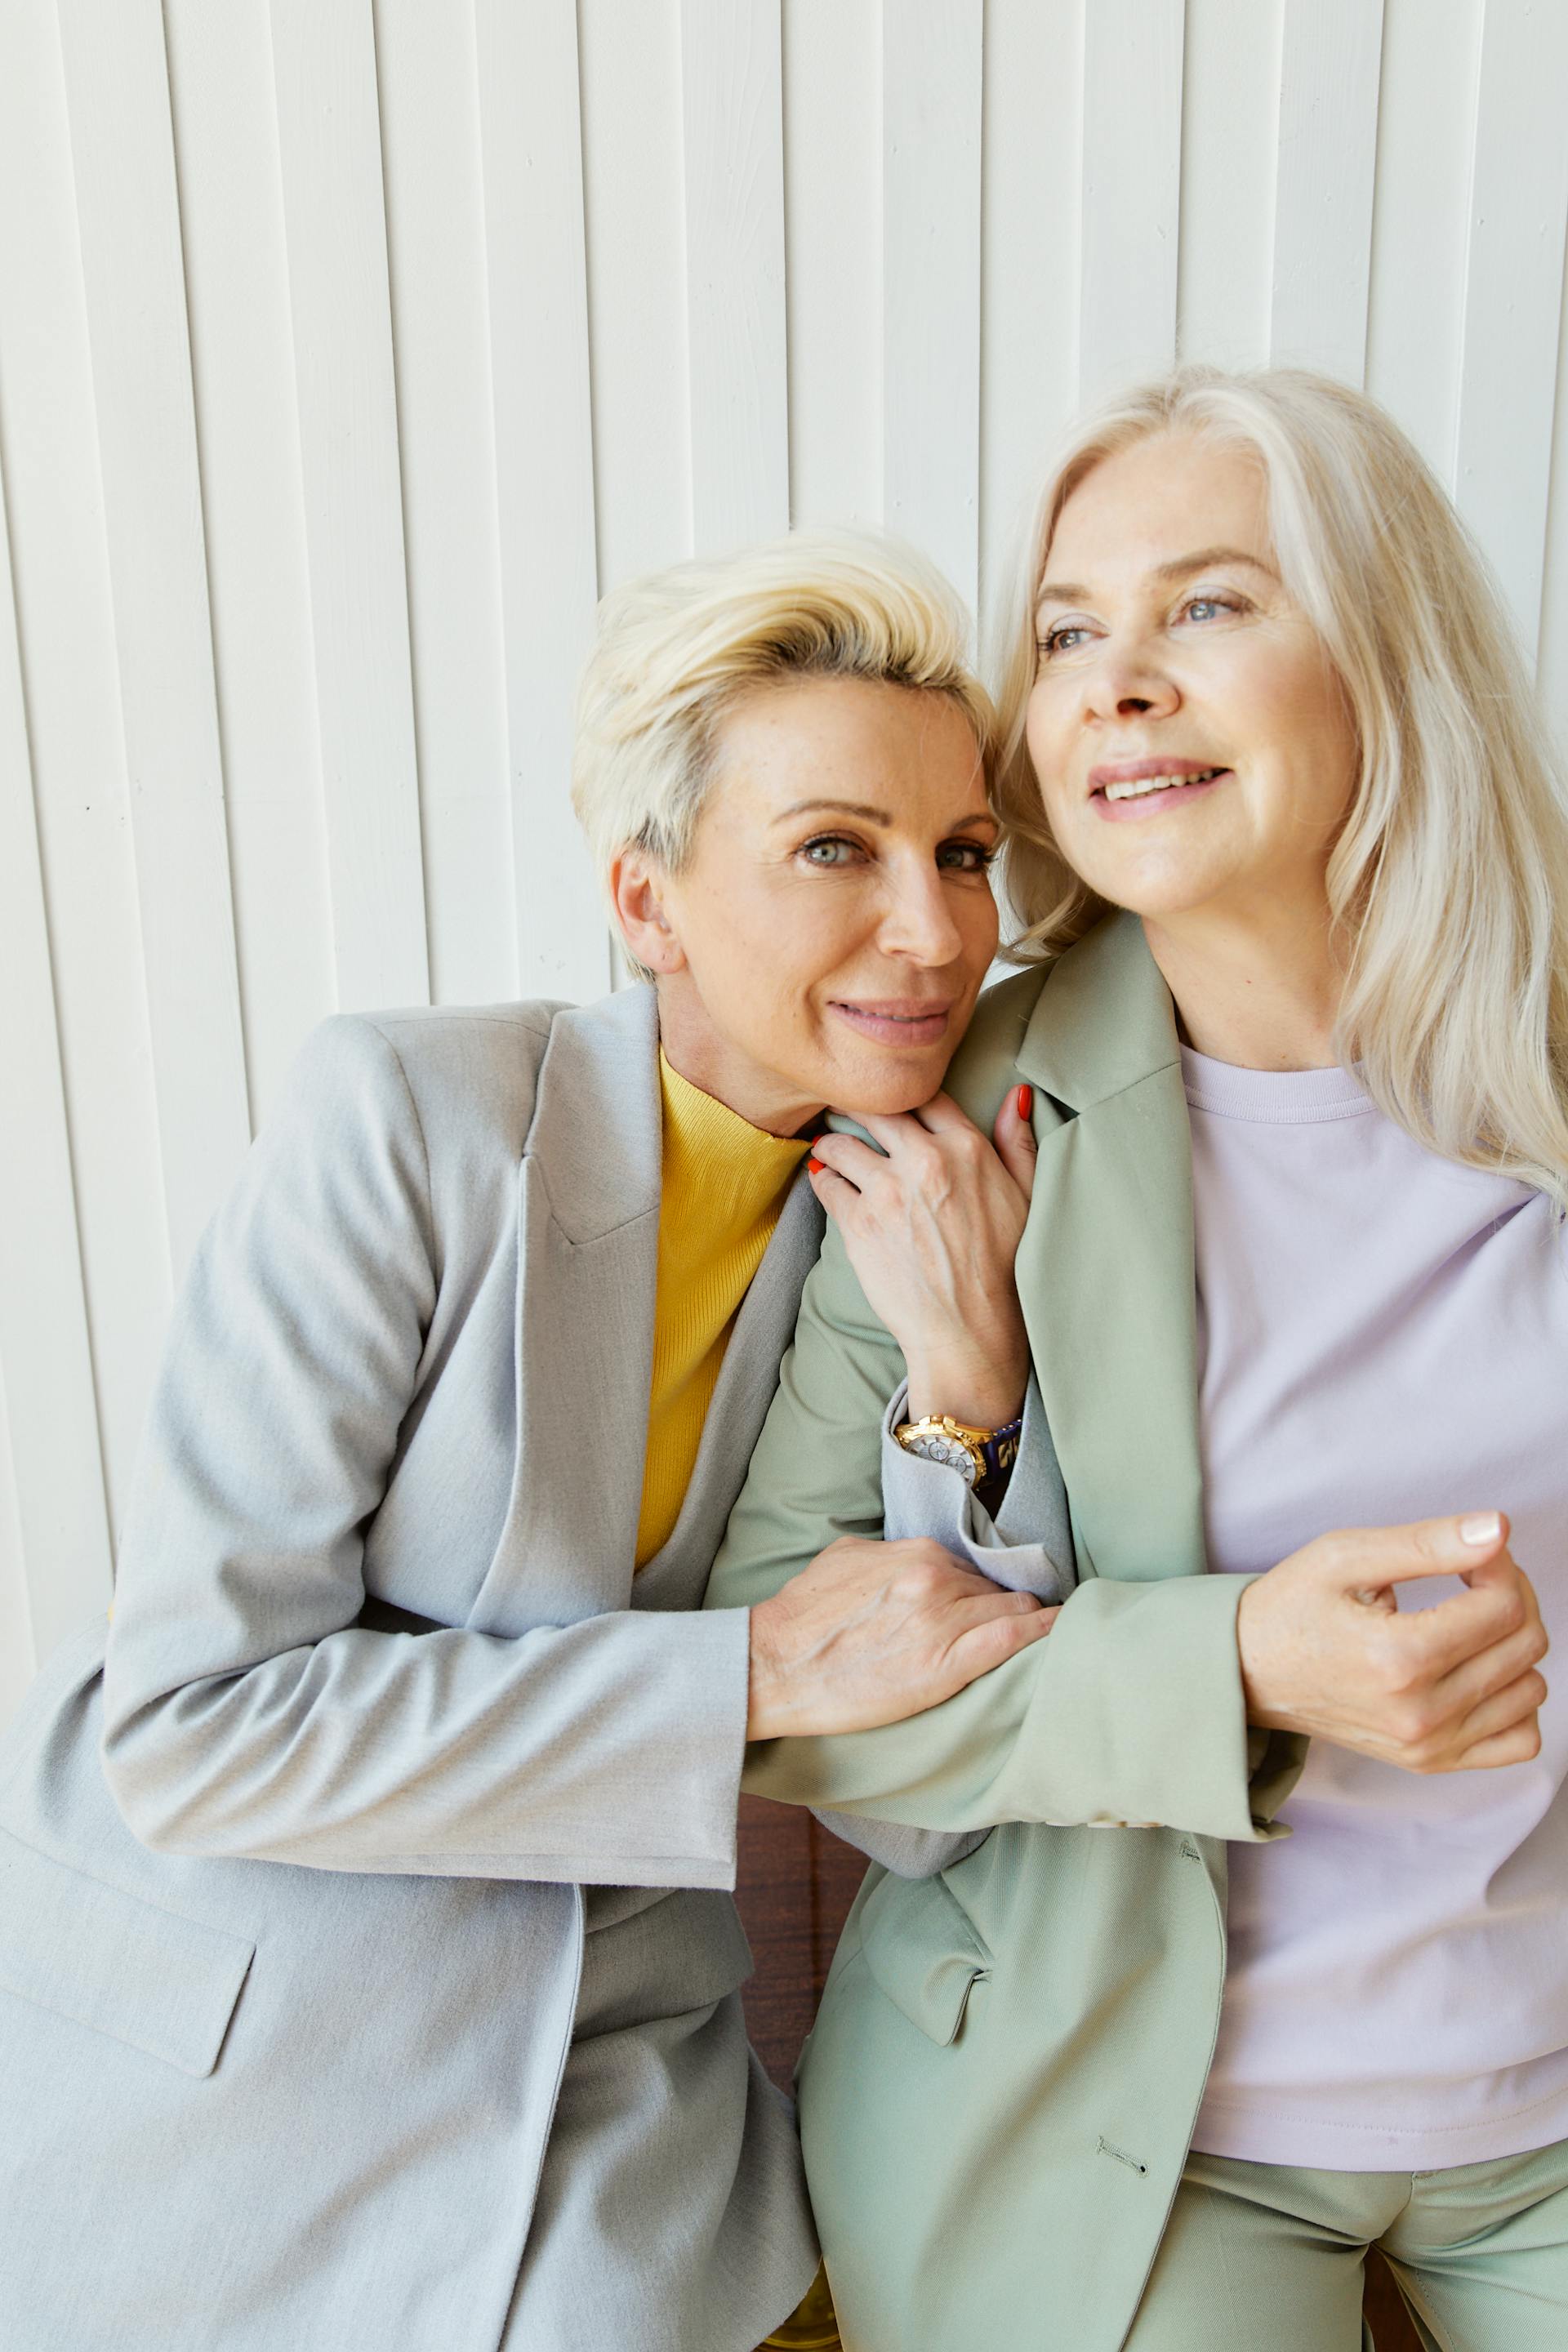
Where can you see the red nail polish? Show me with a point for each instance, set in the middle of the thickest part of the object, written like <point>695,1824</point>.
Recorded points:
<point>815,1166</point>
<point>1025,1101</point>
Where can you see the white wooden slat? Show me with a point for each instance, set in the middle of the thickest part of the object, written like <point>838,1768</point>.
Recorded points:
<point>18,1658</point>
<point>1132,191</point>
<point>932,104</point>
<point>122,150</point>
<point>330,146</point>
<point>634,203</point>
<point>1551,665</point>
<point>1330,69</point>
<point>1032,181</point>
<point>1426,113</point>
<point>248,442</point>
<point>1230,87</point>
<point>49,434</point>
<point>538,389</point>
<point>1517,216</point>
<point>434,215</point>
<point>55,1473</point>
<point>733,147</point>
<point>833,237</point>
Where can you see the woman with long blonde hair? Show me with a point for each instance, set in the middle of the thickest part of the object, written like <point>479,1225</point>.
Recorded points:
<point>1291,862</point>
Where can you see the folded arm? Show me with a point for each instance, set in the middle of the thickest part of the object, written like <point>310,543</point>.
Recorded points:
<point>248,1713</point>
<point>1131,1711</point>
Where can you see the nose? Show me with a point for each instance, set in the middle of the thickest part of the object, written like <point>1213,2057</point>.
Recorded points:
<point>1128,682</point>
<point>918,922</point>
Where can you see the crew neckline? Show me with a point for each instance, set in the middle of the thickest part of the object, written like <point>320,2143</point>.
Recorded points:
<point>1271,1097</point>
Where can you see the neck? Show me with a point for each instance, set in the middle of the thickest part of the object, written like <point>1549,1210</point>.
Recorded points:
<point>1261,991</point>
<point>696,1053</point>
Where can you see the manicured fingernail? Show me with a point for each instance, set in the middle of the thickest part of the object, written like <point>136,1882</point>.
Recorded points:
<point>1025,1101</point>
<point>815,1166</point>
<point>1482,1527</point>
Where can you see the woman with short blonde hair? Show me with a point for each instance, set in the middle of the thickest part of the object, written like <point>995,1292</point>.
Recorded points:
<point>1139,2071</point>
<point>368,1973</point>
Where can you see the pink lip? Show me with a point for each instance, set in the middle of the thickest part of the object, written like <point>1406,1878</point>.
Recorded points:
<point>1151,804</point>
<point>1132,771</point>
<point>896,1021</point>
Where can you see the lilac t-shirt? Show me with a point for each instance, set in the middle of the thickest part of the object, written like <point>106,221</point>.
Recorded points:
<point>1384,1337</point>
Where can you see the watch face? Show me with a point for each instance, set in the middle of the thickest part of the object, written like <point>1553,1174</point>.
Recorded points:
<point>949,1451</point>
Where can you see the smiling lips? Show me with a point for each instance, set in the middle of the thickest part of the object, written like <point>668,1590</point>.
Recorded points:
<point>897,1021</point>
<point>1136,788</point>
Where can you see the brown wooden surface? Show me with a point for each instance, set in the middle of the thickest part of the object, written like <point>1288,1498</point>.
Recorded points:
<point>794,1887</point>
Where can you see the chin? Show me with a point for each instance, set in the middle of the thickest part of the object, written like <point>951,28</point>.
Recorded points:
<point>886,1092</point>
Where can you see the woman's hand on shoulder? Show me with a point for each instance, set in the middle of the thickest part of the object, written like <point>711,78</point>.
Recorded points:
<point>873,1632</point>
<point>932,1231</point>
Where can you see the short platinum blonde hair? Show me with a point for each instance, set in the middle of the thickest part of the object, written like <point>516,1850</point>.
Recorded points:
<point>678,650</point>
<point>1449,883</point>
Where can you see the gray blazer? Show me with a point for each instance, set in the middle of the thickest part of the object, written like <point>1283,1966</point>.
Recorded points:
<point>378,1986</point>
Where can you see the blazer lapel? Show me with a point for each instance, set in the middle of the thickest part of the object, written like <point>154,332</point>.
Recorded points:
<point>587,1268</point>
<point>1105,1268</point>
<point>676,1575</point>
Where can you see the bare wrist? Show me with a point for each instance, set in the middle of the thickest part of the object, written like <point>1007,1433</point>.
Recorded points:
<point>763,1692</point>
<point>984,1396</point>
<point>1252,1651</point>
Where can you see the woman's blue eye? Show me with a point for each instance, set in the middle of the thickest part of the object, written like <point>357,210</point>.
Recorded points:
<point>964,857</point>
<point>1058,641</point>
<point>829,850</point>
<point>1204,607</point>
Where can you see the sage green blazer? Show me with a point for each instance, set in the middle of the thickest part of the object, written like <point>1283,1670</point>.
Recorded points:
<point>998,2096</point>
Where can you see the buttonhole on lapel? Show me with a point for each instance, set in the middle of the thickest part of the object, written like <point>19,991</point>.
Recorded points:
<point>1109,2147</point>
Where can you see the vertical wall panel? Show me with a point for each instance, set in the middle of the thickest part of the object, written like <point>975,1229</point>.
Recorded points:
<point>1330,69</point>
<point>1553,662</point>
<point>732,140</point>
<point>236,286</point>
<point>634,193</point>
<point>540,406</point>
<point>20,1659</point>
<point>1032,183</point>
<point>1230,123</point>
<point>833,234</point>
<point>330,143</point>
<point>121,145</point>
<point>1427,116</point>
<point>54,1516</point>
<point>435,213</point>
<point>1518,210</point>
<point>1132,191</point>
<point>932,89</point>
<point>49,430</point>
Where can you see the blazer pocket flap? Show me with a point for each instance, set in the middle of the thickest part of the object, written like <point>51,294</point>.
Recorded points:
<point>163,1983</point>
<point>924,1952</point>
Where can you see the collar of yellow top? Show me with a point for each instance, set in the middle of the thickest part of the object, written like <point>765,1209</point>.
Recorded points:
<point>707,1144</point>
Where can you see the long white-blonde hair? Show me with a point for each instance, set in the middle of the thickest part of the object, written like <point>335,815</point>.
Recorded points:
<point>1449,884</point>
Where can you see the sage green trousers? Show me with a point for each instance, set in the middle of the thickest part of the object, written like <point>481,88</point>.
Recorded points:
<point>1268,2257</point>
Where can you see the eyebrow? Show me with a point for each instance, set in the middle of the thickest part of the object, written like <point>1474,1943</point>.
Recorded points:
<point>1180,567</point>
<point>876,815</point>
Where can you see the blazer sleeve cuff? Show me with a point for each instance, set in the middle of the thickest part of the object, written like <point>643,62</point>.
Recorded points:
<point>1024,1548</point>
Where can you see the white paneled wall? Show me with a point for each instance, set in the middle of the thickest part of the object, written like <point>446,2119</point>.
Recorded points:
<point>350,349</point>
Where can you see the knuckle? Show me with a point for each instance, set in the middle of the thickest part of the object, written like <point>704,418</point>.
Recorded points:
<point>1415,1727</point>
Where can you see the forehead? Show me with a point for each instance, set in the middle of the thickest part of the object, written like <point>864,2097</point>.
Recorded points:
<point>824,734</point>
<point>1162,499</point>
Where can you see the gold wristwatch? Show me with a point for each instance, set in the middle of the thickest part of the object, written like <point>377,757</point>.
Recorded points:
<point>975,1454</point>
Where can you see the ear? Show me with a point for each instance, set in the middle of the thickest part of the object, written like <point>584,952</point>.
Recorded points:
<point>637,886</point>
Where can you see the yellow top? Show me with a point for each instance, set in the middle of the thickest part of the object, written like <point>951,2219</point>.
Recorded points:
<point>724,1185</point>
